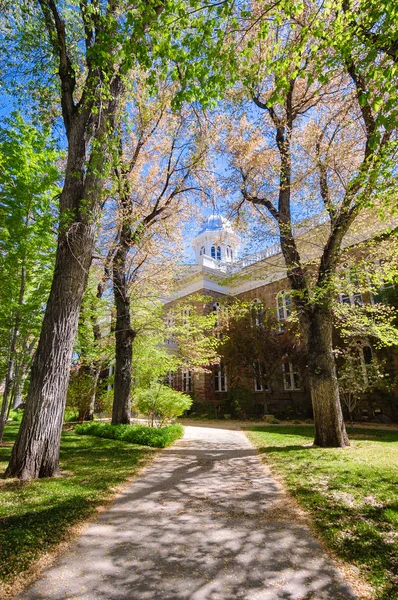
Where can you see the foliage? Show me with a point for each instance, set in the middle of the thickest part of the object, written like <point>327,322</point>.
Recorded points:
<point>37,515</point>
<point>80,392</point>
<point>16,415</point>
<point>156,437</point>
<point>28,185</point>
<point>160,401</point>
<point>350,494</point>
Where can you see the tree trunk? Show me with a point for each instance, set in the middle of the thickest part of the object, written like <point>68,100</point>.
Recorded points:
<point>36,450</point>
<point>124,337</point>
<point>330,429</point>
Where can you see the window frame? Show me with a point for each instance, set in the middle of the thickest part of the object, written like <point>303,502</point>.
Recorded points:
<point>293,375</point>
<point>220,379</point>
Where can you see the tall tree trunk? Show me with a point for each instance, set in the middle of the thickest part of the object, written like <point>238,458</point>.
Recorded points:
<point>124,335</point>
<point>36,450</point>
<point>328,417</point>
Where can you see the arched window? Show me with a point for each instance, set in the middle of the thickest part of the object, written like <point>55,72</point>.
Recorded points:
<point>202,250</point>
<point>213,252</point>
<point>218,252</point>
<point>367,354</point>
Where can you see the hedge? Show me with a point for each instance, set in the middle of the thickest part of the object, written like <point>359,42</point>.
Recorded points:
<point>157,437</point>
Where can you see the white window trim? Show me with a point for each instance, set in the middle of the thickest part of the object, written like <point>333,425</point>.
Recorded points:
<point>289,373</point>
<point>349,296</point>
<point>285,308</point>
<point>219,374</point>
<point>187,381</point>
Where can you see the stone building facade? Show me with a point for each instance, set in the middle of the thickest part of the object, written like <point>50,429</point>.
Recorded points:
<point>219,274</point>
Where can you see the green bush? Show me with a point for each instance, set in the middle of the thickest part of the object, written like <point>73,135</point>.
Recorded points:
<point>273,421</point>
<point>16,415</point>
<point>156,437</point>
<point>296,422</point>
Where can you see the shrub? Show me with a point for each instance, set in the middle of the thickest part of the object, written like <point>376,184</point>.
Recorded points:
<point>273,421</point>
<point>157,437</point>
<point>16,415</point>
<point>296,422</point>
<point>161,401</point>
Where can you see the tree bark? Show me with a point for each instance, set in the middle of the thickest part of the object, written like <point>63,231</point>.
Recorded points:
<point>330,429</point>
<point>124,334</point>
<point>36,450</point>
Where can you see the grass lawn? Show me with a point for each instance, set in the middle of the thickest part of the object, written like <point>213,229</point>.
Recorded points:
<point>36,515</point>
<point>352,494</point>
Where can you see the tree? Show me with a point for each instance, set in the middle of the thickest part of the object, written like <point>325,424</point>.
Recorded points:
<point>97,47</point>
<point>339,172</point>
<point>160,401</point>
<point>155,177</point>
<point>28,184</point>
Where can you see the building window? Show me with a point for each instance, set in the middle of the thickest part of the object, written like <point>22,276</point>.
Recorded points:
<point>218,252</point>
<point>187,381</point>
<point>291,377</point>
<point>351,295</point>
<point>216,310</point>
<point>259,373</point>
<point>367,354</point>
<point>220,379</point>
<point>258,313</point>
<point>213,252</point>
<point>381,286</point>
<point>169,379</point>
<point>202,250</point>
<point>283,307</point>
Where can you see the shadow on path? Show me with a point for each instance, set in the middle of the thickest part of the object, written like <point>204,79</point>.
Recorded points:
<point>205,522</point>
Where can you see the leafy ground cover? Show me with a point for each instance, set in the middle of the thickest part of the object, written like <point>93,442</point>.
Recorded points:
<point>37,515</point>
<point>157,437</point>
<point>351,495</point>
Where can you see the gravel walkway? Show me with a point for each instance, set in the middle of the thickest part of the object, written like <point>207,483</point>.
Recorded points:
<point>204,522</point>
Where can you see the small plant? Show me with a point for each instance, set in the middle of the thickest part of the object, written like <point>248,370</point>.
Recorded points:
<point>273,421</point>
<point>309,421</point>
<point>296,422</point>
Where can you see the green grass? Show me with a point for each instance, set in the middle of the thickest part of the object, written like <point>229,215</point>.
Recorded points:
<point>36,515</point>
<point>352,494</point>
<point>157,437</point>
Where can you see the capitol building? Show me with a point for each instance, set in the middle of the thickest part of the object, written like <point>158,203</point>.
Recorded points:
<point>237,384</point>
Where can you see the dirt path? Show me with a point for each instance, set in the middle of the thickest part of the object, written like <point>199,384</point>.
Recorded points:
<point>205,522</point>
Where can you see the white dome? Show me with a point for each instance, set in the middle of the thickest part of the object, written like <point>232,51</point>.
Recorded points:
<point>215,223</point>
<point>216,242</point>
